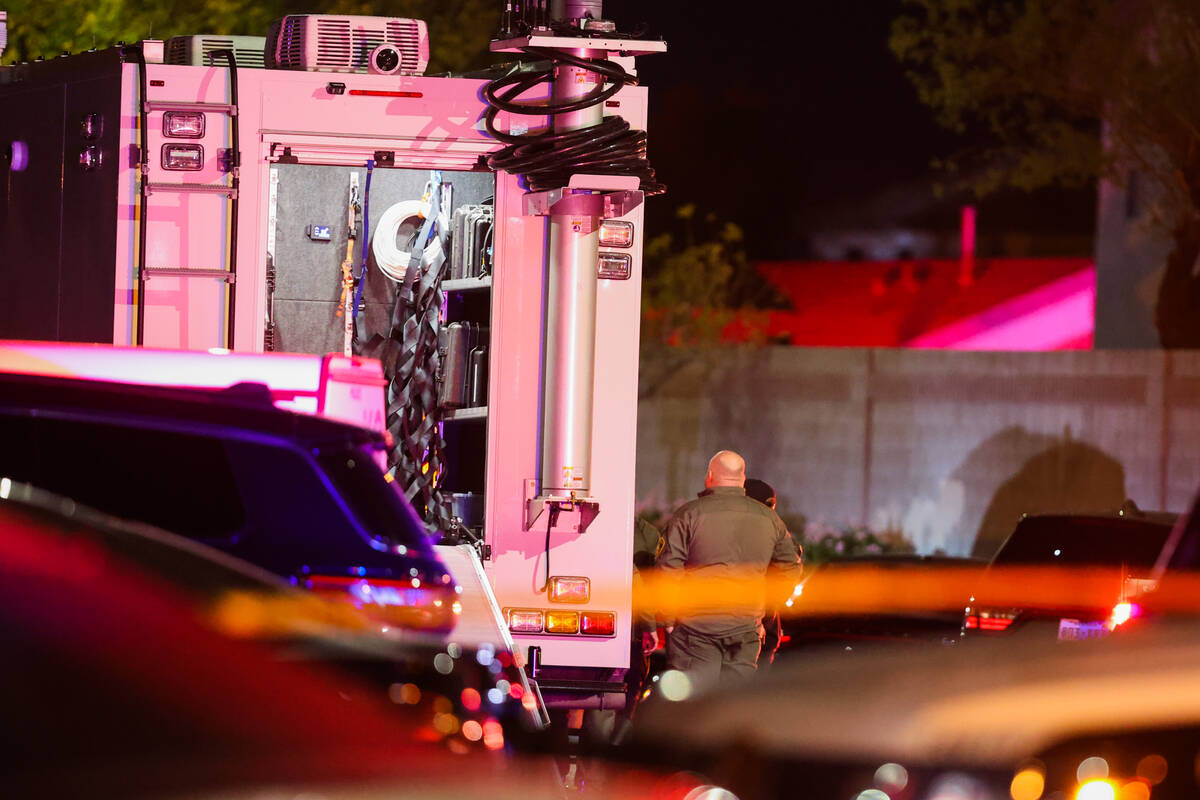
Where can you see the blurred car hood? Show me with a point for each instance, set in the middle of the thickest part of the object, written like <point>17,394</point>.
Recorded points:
<point>985,703</point>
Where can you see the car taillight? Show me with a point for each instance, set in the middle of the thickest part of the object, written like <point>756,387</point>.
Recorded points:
<point>1122,613</point>
<point>564,589</point>
<point>598,623</point>
<point>989,619</point>
<point>526,620</point>
<point>994,623</point>
<point>562,621</point>
<point>406,603</point>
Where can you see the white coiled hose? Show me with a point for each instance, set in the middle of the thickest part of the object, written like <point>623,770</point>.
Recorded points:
<point>391,260</point>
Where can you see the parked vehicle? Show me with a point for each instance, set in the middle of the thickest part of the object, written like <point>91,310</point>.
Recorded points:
<point>113,686</point>
<point>417,671</point>
<point>985,720</point>
<point>299,496</point>
<point>804,629</point>
<point>1123,545</point>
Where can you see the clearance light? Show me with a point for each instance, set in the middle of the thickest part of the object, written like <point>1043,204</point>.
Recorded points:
<point>616,266</point>
<point>183,124</point>
<point>562,622</point>
<point>1096,790</point>
<point>564,589</point>
<point>972,622</point>
<point>525,621</point>
<point>598,623</point>
<point>1122,613</point>
<point>183,157</point>
<point>616,233</point>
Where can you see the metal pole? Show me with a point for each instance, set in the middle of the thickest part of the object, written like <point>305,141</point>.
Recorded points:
<point>570,317</point>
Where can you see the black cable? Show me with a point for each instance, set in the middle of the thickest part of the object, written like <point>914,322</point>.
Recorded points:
<point>548,160</point>
<point>551,518</point>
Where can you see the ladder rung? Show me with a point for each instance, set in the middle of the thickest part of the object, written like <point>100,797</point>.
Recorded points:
<point>209,188</point>
<point>185,272</point>
<point>164,105</point>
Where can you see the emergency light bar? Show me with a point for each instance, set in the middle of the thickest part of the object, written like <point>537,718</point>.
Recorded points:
<point>348,389</point>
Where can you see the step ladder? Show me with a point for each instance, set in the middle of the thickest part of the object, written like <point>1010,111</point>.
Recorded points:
<point>230,161</point>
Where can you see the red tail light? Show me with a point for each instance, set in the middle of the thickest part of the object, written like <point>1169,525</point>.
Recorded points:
<point>994,623</point>
<point>598,623</point>
<point>989,619</point>
<point>1122,613</point>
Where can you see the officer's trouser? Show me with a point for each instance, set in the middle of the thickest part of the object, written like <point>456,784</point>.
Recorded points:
<point>712,660</point>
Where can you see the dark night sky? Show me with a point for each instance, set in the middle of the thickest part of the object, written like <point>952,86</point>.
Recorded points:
<point>792,117</point>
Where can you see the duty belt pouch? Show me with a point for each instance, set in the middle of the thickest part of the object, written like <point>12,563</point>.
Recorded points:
<point>453,391</point>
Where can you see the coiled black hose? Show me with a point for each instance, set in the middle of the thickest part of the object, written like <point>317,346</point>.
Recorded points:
<point>548,160</point>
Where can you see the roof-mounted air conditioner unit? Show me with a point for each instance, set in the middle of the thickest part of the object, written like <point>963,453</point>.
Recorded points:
<point>345,43</point>
<point>197,51</point>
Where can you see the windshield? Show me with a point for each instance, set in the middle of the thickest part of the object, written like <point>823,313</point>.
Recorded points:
<point>375,501</point>
<point>1079,541</point>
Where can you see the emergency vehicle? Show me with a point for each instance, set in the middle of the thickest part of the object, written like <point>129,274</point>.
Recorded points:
<point>482,237</point>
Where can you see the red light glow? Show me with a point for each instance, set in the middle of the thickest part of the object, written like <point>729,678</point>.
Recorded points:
<point>994,623</point>
<point>381,93</point>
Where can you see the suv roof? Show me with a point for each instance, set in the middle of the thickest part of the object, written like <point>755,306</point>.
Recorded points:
<point>248,406</point>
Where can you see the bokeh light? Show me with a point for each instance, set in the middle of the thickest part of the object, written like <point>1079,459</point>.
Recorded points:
<point>872,794</point>
<point>1028,784</point>
<point>1135,790</point>
<point>472,730</point>
<point>1153,768</point>
<point>1096,790</point>
<point>445,724</point>
<point>471,699</point>
<point>407,693</point>
<point>891,778</point>
<point>1091,768</point>
<point>675,685</point>
<point>493,735</point>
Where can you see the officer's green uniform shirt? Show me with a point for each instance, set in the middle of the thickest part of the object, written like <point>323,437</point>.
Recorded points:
<point>724,534</point>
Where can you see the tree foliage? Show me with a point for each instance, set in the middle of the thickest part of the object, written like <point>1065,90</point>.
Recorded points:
<point>459,30</point>
<point>1034,82</point>
<point>697,281</point>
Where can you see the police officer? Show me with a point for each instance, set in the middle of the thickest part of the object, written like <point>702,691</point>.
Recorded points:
<point>724,536</point>
<point>772,627</point>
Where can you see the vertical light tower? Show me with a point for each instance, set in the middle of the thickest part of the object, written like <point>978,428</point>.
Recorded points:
<point>574,248</point>
<point>583,169</point>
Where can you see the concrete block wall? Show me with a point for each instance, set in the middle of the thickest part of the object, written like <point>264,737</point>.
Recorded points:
<point>950,447</point>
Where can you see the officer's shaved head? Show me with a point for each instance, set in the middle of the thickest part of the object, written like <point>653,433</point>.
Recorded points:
<point>726,468</point>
